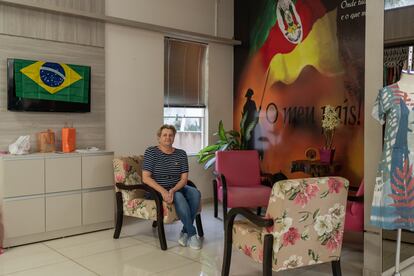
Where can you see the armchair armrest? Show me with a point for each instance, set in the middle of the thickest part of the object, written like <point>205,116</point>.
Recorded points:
<point>263,174</point>
<point>122,186</point>
<point>228,239</point>
<point>353,188</point>
<point>191,184</point>
<point>356,198</point>
<point>352,195</point>
<point>255,219</point>
<point>157,196</point>
<point>142,186</point>
<point>266,179</point>
<point>223,180</point>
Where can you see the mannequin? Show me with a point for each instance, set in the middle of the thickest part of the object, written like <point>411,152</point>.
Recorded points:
<point>393,200</point>
<point>406,82</point>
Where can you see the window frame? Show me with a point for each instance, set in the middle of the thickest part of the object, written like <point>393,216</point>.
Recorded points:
<point>203,125</point>
<point>202,80</point>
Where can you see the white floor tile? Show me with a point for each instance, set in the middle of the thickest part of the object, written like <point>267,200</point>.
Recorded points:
<point>62,269</point>
<point>27,257</point>
<point>153,240</point>
<point>241,265</point>
<point>193,269</point>
<point>115,262</point>
<point>80,239</point>
<point>96,247</point>
<point>142,259</point>
<point>212,251</point>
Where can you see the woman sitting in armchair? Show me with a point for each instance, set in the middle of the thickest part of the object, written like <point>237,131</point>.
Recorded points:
<point>165,169</point>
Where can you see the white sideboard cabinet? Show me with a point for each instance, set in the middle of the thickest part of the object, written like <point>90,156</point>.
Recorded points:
<point>47,196</point>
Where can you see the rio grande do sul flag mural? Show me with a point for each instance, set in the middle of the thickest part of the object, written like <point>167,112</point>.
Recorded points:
<point>297,57</point>
<point>303,33</point>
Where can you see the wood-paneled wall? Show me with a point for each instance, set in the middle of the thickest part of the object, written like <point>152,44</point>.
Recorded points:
<point>37,35</point>
<point>398,25</point>
<point>42,25</point>
<point>96,6</point>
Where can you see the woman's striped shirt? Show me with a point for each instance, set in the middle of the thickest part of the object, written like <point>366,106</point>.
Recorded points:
<point>165,169</point>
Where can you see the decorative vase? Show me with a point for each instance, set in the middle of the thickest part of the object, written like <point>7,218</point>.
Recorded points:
<point>326,155</point>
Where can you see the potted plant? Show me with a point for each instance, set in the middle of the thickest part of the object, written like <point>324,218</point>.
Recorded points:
<point>330,121</point>
<point>228,140</point>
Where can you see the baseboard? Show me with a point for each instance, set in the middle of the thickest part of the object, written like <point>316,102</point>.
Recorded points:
<point>403,265</point>
<point>10,242</point>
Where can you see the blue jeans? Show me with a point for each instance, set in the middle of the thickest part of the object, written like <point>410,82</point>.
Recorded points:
<point>186,202</point>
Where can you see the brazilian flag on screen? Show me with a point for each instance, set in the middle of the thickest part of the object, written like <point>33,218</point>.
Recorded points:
<point>51,81</point>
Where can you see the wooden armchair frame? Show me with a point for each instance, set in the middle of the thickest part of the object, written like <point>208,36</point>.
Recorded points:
<point>267,244</point>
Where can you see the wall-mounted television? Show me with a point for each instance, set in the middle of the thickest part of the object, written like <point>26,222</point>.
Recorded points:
<point>48,86</point>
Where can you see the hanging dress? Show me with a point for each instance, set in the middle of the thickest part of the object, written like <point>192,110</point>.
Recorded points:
<point>393,201</point>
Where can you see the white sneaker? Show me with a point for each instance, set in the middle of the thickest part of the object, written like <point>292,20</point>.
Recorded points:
<point>183,239</point>
<point>194,242</point>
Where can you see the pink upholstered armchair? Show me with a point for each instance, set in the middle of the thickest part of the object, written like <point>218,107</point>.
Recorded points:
<point>238,182</point>
<point>303,226</point>
<point>354,219</point>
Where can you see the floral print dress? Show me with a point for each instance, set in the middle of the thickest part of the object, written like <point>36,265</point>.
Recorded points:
<point>393,201</point>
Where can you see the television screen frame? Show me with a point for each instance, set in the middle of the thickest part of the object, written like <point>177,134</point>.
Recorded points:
<point>15,103</point>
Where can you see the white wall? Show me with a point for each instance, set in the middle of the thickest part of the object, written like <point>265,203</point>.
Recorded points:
<point>189,15</point>
<point>134,92</point>
<point>225,18</point>
<point>135,73</point>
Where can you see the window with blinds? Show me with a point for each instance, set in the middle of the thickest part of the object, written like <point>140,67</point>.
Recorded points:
<point>184,92</point>
<point>184,78</point>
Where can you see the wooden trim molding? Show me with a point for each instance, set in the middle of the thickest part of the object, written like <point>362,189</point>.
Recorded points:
<point>171,32</point>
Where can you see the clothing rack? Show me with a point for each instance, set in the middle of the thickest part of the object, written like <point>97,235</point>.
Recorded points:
<point>396,60</point>
<point>395,56</point>
<point>410,59</point>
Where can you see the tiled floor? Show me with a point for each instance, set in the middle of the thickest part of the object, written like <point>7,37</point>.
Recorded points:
<point>137,253</point>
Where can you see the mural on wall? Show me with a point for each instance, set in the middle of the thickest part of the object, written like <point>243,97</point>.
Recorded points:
<point>296,58</point>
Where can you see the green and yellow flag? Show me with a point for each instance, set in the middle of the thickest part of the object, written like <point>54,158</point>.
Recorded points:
<point>51,81</point>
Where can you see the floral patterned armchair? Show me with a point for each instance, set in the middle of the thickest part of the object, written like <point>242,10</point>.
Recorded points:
<point>303,226</point>
<point>130,200</point>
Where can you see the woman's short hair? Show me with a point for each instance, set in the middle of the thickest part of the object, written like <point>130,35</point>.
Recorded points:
<point>165,126</point>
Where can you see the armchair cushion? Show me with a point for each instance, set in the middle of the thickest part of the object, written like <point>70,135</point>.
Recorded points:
<point>146,209</point>
<point>128,170</point>
<point>257,196</point>
<point>240,167</point>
